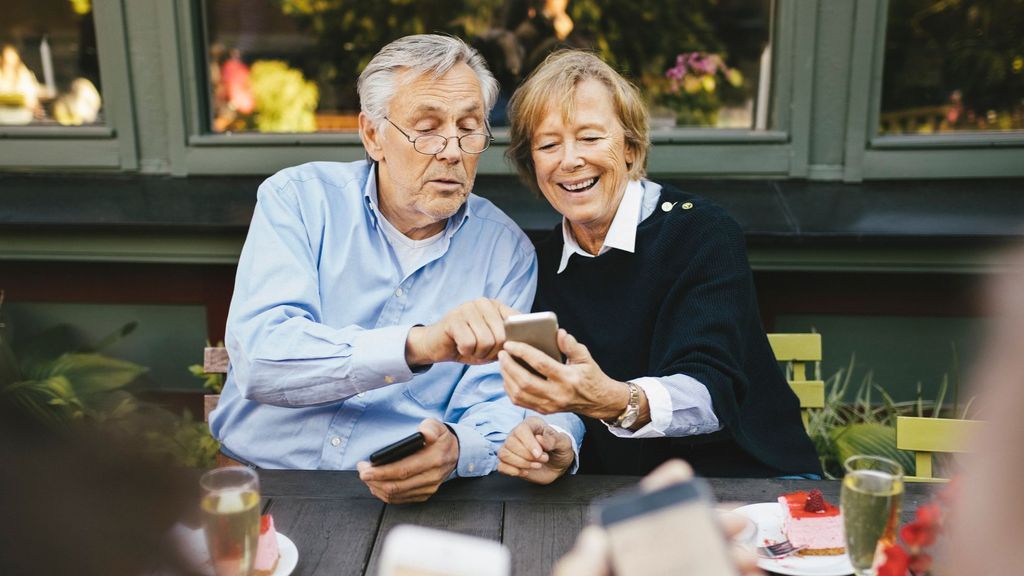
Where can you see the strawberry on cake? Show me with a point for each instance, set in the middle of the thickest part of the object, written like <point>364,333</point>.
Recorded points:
<point>807,520</point>
<point>267,554</point>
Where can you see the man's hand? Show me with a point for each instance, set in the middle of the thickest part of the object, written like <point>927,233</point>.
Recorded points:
<point>578,386</point>
<point>415,478</point>
<point>535,451</point>
<point>472,333</point>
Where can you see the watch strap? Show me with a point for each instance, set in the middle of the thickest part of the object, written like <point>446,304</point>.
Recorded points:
<point>632,406</point>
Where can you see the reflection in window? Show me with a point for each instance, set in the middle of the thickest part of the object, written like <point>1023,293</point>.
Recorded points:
<point>953,66</point>
<point>49,67</point>
<point>291,65</point>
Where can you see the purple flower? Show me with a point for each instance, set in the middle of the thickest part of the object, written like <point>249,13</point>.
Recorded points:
<point>697,64</point>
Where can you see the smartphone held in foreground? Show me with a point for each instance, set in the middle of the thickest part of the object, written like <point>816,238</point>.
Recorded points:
<point>672,530</point>
<point>418,551</point>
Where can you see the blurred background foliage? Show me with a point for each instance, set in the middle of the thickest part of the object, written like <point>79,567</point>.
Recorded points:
<point>642,39</point>
<point>963,57</point>
<point>54,380</point>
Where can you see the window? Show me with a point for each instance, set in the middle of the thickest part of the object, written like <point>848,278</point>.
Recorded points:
<point>953,67</point>
<point>49,64</point>
<point>271,83</point>
<point>291,65</point>
<point>936,90</point>
<point>65,94</point>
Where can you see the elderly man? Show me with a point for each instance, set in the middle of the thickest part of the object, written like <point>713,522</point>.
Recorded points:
<point>366,288</point>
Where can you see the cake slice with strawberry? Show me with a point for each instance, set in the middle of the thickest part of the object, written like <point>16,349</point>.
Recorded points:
<point>809,521</point>
<point>267,554</point>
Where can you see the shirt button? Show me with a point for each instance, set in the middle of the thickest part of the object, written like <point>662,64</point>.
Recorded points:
<point>399,292</point>
<point>361,394</point>
<point>335,441</point>
<point>471,467</point>
<point>389,379</point>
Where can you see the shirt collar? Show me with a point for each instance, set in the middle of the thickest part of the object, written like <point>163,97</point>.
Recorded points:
<point>621,233</point>
<point>455,221</point>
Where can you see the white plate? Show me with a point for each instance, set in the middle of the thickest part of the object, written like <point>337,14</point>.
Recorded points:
<point>289,556</point>
<point>192,546</point>
<point>767,516</point>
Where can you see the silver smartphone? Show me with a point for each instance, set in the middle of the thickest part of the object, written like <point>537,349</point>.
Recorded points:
<point>539,329</point>
<point>418,551</point>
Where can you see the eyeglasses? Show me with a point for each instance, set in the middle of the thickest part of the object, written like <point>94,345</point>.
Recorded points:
<point>433,144</point>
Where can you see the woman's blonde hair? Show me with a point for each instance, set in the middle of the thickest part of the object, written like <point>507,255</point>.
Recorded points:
<point>554,83</point>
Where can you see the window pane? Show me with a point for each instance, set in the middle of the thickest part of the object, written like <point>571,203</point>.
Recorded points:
<point>953,66</point>
<point>291,65</point>
<point>49,67</point>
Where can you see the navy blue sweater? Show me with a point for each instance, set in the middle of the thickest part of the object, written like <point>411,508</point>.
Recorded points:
<point>683,303</point>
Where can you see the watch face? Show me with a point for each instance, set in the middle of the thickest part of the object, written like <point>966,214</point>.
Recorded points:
<point>629,419</point>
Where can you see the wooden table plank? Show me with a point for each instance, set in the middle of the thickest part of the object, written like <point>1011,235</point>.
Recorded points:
<point>572,489</point>
<point>346,484</point>
<point>333,536</point>
<point>482,519</point>
<point>333,518</point>
<point>539,534</point>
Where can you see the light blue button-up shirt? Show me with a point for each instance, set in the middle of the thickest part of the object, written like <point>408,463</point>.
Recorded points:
<point>319,318</point>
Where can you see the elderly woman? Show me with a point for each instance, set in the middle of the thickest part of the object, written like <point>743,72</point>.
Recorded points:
<point>665,353</point>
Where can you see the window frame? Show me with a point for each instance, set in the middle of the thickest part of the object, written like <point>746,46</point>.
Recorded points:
<point>111,146</point>
<point>872,156</point>
<point>781,152</point>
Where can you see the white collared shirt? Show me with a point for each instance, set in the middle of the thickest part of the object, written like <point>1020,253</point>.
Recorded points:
<point>680,404</point>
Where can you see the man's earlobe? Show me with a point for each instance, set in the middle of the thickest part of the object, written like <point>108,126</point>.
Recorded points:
<point>370,136</point>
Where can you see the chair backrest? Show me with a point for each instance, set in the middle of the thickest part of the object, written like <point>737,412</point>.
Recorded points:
<point>798,350</point>
<point>929,436</point>
<point>215,361</point>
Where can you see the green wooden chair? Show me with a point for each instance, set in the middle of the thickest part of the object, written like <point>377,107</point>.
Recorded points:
<point>927,437</point>
<point>798,350</point>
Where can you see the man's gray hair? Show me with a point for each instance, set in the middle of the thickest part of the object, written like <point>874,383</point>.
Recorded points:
<point>425,54</point>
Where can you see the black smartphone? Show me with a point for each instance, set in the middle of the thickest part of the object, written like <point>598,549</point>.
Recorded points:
<point>392,452</point>
<point>672,530</point>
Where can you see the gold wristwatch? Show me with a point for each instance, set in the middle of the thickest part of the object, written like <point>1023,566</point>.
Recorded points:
<point>632,411</point>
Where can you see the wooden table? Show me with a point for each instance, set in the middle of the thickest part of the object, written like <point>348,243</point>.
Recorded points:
<point>339,528</point>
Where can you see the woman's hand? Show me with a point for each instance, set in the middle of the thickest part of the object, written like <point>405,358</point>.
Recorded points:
<point>536,452</point>
<point>578,386</point>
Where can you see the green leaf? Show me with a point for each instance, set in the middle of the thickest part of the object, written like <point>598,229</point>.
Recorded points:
<point>211,381</point>
<point>941,397</point>
<point>115,336</point>
<point>50,401</point>
<point>9,372</point>
<point>37,352</point>
<point>91,373</point>
<point>870,439</point>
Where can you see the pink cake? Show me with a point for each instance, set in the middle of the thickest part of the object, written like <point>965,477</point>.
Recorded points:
<point>807,520</point>
<point>267,554</point>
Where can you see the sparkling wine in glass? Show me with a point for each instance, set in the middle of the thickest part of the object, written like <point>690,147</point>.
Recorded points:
<point>231,518</point>
<point>870,501</point>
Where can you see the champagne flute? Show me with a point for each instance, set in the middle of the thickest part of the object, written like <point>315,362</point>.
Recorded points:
<point>870,501</point>
<point>231,518</point>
